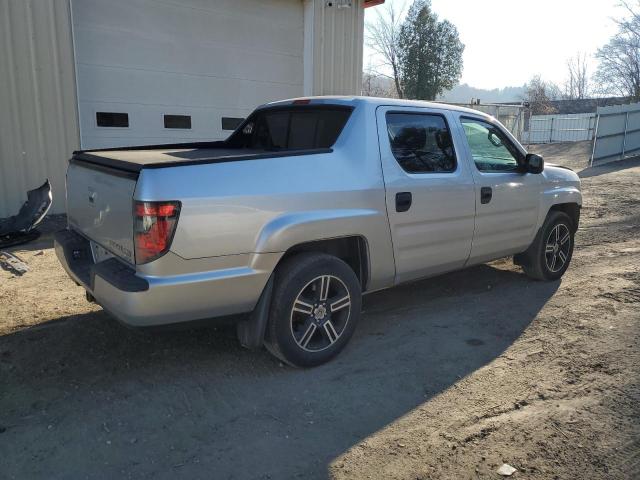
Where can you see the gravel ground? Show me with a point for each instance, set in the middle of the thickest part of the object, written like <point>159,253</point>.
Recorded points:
<point>445,378</point>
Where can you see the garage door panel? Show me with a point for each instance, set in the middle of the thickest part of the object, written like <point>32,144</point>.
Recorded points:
<point>209,59</point>
<point>204,58</point>
<point>177,22</point>
<point>272,11</point>
<point>105,84</point>
<point>146,125</point>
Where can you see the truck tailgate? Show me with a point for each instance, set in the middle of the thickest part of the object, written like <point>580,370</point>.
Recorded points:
<point>100,206</point>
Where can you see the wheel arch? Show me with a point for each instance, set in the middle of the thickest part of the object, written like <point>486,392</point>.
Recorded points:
<point>566,199</point>
<point>572,209</point>
<point>352,249</point>
<point>342,233</point>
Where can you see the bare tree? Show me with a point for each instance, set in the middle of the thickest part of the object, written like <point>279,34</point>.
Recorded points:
<point>374,85</point>
<point>382,37</point>
<point>631,24</point>
<point>369,87</point>
<point>539,94</point>
<point>619,68</point>
<point>577,84</point>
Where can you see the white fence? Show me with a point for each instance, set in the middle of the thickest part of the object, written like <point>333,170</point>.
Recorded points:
<point>560,128</point>
<point>617,133</point>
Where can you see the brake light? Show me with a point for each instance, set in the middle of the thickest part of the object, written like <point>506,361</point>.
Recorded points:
<point>154,226</point>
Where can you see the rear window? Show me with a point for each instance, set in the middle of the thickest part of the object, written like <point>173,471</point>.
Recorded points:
<point>294,128</point>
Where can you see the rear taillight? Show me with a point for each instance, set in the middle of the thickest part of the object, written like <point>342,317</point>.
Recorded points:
<point>154,226</point>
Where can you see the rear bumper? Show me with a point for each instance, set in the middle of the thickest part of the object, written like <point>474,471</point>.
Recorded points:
<point>140,301</point>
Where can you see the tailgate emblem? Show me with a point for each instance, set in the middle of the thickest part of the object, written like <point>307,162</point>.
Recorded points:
<point>92,197</point>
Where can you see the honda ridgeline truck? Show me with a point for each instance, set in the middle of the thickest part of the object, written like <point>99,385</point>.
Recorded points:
<point>306,206</point>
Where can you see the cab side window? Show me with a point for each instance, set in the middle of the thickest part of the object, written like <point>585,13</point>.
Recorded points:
<point>421,143</point>
<point>490,148</point>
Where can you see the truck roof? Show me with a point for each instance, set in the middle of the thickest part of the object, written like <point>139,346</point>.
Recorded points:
<point>134,159</point>
<point>355,100</point>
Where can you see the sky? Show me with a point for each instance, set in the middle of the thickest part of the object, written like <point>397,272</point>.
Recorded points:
<point>509,41</point>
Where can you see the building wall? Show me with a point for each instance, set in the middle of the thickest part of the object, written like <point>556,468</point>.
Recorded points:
<point>333,48</point>
<point>206,59</point>
<point>38,120</point>
<point>38,95</point>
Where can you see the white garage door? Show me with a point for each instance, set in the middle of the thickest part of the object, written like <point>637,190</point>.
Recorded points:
<point>158,71</point>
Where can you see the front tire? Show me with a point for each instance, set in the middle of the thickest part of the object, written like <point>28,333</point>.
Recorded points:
<point>314,310</point>
<point>549,255</point>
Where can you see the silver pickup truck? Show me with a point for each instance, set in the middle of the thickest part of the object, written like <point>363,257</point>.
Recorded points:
<point>306,206</point>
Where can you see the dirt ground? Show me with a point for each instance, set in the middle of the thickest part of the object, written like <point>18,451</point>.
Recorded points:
<point>445,378</point>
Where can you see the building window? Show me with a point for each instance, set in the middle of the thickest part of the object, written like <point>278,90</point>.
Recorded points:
<point>231,123</point>
<point>112,119</point>
<point>177,121</point>
<point>421,143</point>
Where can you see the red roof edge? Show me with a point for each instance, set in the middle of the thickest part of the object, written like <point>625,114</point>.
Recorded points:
<point>372,3</point>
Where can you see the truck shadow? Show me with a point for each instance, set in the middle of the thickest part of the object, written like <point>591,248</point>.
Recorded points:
<point>89,397</point>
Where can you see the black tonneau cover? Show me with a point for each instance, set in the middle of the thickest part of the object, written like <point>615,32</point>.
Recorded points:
<point>135,159</point>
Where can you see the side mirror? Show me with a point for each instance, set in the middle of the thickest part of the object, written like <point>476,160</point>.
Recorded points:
<point>494,139</point>
<point>533,163</point>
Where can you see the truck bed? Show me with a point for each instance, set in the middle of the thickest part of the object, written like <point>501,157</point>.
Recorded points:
<point>134,159</point>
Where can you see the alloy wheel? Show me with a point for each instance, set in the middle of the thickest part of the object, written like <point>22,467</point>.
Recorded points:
<point>320,313</point>
<point>557,247</point>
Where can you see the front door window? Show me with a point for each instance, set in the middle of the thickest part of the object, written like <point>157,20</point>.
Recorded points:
<point>491,149</point>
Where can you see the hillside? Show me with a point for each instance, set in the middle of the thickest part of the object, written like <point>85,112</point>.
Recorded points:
<point>464,93</point>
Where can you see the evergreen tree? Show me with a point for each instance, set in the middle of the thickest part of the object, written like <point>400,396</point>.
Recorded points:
<point>430,53</point>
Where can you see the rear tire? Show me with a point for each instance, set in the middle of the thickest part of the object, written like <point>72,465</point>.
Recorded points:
<point>314,309</point>
<point>549,255</point>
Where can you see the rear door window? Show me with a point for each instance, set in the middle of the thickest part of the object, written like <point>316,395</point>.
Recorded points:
<point>421,143</point>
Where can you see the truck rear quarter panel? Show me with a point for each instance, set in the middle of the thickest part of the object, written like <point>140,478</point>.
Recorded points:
<point>270,205</point>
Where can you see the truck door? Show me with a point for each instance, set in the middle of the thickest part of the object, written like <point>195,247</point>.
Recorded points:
<point>429,191</point>
<point>507,199</point>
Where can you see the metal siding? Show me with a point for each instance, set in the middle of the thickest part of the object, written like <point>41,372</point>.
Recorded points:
<point>38,119</point>
<point>208,59</point>
<point>617,133</point>
<point>337,48</point>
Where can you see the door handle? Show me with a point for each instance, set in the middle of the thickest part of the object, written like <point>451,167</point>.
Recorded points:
<point>403,201</point>
<point>485,194</point>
